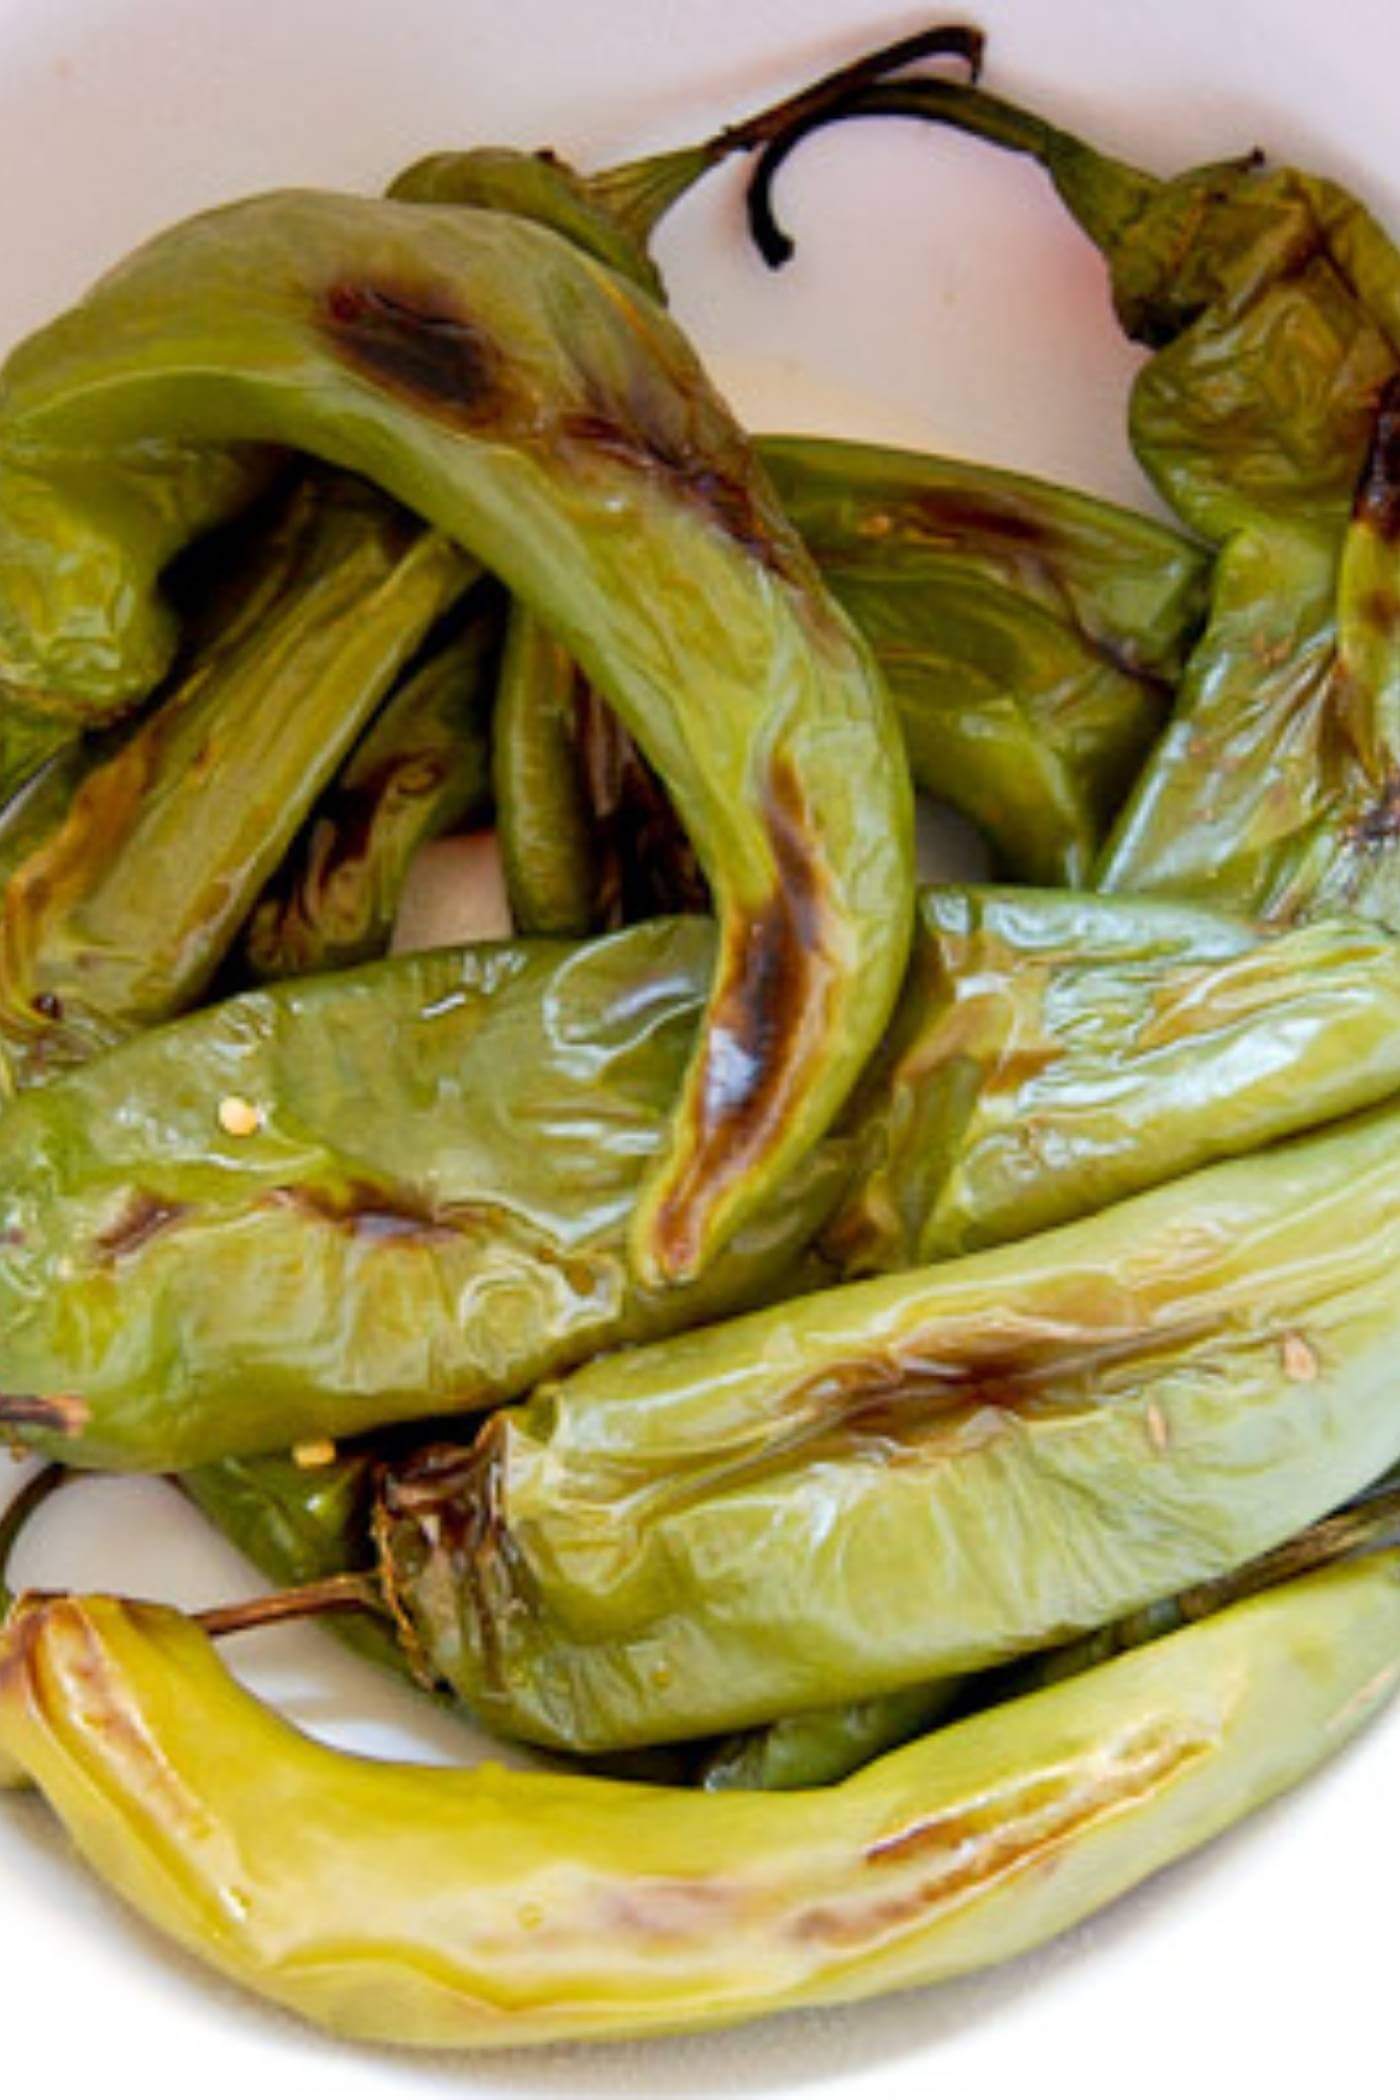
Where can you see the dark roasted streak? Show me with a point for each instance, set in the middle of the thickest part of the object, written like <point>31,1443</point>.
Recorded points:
<point>141,1220</point>
<point>61,1413</point>
<point>729,500</point>
<point>417,346</point>
<point>767,1010</point>
<point>364,1213</point>
<point>1377,503</point>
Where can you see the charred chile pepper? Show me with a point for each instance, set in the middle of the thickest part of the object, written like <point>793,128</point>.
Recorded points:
<point>494,1907</point>
<point>1004,1449</point>
<point>313,1210</point>
<point>533,406</point>
<point>1051,1054</point>
<point>420,770</point>
<point>1269,417</point>
<point>122,909</point>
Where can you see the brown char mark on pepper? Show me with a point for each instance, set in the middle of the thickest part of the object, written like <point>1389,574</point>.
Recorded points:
<point>1377,502</point>
<point>363,1212</point>
<point>142,1218</point>
<point>414,343</point>
<point>767,1014</point>
<point>57,1414</point>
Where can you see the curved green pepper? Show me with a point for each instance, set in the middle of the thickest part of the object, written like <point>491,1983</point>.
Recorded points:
<point>121,910</point>
<point>530,404</point>
<point>310,1211</point>
<point>421,769</point>
<point>909,1478</point>
<point>1269,417</point>
<point>1140,1040</point>
<point>494,1907</point>
<point>1053,1054</point>
<point>1031,636</point>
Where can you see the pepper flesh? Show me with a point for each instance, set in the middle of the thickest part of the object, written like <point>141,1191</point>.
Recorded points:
<point>310,1212</point>
<point>486,1908</point>
<point>420,770</point>
<point>120,912</point>
<point>532,405</point>
<point>1055,1053</point>
<point>926,1474</point>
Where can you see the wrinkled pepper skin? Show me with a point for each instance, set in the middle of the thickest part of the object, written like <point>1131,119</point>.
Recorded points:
<point>922,1475</point>
<point>421,769</point>
<point>532,406</point>
<point>1031,636</point>
<point>487,1908</point>
<point>429,1213</point>
<point>133,1230</point>
<point>1269,418</point>
<point>1055,1053</point>
<point>119,916</point>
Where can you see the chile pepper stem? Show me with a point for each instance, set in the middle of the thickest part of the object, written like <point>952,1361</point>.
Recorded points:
<point>639,193</point>
<point>27,1499</point>
<point>310,1600</point>
<point>1102,193</point>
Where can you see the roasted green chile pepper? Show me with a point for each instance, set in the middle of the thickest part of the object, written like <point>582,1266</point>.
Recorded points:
<point>421,769</point>
<point>119,914</point>
<point>136,1306</point>
<point>1054,1053</point>
<point>533,406</point>
<point>359,1199</point>
<point>827,1744</point>
<point>922,1475</point>
<point>493,1907</point>
<point>1031,636</point>
<point>1269,417</point>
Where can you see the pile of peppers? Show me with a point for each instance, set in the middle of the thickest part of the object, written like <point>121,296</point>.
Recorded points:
<point>888,1385</point>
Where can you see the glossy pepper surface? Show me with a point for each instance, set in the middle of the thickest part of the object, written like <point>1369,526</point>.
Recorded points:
<point>1269,417</point>
<point>122,909</point>
<point>1054,1053</point>
<point>531,404</point>
<point>314,1210</point>
<point>421,769</point>
<point>1032,637</point>
<point>925,1474</point>
<point>493,1907</point>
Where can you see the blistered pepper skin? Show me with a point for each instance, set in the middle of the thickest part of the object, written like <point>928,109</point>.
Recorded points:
<point>1053,1054</point>
<point>119,906</point>
<point>536,408</point>
<point>421,769</point>
<point>491,1908</point>
<point>924,1474</point>
<point>309,1212</point>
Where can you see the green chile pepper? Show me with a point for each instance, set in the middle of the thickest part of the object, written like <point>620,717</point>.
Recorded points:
<point>119,916</point>
<point>1053,1054</point>
<point>530,404</point>
<point>494,1907</point>
<point>1269,417</point>
<point>359,1199</point>
<point>1031,636</point>
<point>137,1299</point>
<point>421,769</point>
<point>922,1475</point>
